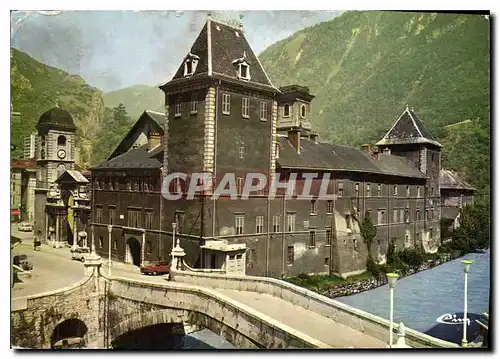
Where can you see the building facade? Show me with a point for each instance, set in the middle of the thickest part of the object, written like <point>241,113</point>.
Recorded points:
<point>224,116</point>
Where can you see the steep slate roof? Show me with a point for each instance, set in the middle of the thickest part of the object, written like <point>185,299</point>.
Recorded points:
<point>450,180</point>
<point>136,158</point>
<point>408,128</point>
<point>325,156</point>
<point>219,46</point>
<point>158,119</point>
<point>56,118</point>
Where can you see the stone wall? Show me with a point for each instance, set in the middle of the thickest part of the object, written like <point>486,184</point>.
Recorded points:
<point>357,319</point>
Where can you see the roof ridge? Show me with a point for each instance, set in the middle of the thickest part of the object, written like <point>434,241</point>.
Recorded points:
<point>414,123</point>
<point>156,112</point>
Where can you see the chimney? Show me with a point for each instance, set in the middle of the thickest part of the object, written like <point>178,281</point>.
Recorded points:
<point>154,140</point>
<point>366,148</point>
<point>376,155</point>
<point>314,137</point>
<point>386,151</point>
<point>294,138</point>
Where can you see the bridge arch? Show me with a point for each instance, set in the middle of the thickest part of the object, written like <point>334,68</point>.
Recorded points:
<point>133,251</point>
<point>69,328</point>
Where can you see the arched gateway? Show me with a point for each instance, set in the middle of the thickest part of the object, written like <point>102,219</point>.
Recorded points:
<point>133,251</point>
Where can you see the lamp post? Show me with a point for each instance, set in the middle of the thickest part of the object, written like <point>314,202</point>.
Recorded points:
<point>391,278</point>
<point>174,226</point>
<point>110,228</point>
<point>466,264</point>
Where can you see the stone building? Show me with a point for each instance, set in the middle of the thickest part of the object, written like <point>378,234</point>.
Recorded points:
<point>224,116</point>
<point>455,194</point>
<point>22,189</point>
<point>61,203</point>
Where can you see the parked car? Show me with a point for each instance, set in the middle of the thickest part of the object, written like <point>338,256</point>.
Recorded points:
<point>155,267</point>
<point>21,260</point>
<point>25,227</point>
<point>79,253</point>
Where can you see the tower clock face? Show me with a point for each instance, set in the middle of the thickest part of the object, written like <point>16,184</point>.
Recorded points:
<point>61,154</point>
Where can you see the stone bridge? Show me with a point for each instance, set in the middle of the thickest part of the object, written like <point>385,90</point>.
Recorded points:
<point>249,312</point>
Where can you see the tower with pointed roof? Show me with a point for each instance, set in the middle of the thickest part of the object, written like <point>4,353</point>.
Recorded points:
<point>221,111</point>
<point>409,138</point>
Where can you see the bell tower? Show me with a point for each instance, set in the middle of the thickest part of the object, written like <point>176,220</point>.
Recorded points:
<point>55,146</point>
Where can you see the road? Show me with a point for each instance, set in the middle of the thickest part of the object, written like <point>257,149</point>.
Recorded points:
<point>54,269</point>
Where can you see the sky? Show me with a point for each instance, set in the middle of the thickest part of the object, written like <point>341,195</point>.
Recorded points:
<point>116,49</point>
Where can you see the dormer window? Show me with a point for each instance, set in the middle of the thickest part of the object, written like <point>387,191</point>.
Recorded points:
<point>303,111</point>
<point>244,71</point>
<point>190,64</point>
<point>286,110</point>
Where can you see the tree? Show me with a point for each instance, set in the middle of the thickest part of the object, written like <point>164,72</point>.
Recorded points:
<point>368,232</point>
<point>474,231</point>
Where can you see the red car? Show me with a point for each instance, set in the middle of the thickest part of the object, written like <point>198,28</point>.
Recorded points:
<point>155,268</point>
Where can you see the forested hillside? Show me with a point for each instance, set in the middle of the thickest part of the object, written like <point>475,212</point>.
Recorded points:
<point>36,88</point>
<point>137,99</point>
<point>364,67</point>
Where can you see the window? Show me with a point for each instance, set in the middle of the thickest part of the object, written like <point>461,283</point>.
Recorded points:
<point>99,215</point>
<point>112,215</point>
<point>340,189</point>
<point>148,219</point>
<point>276,223</point>
<point>241,152</point>
<point>177,108</point>
<point>286,110</point>
<point>290,222</point>
<point>357,189</point>
<point>303,111</point>
<point>135,184</point>
<point>313,206</point>
<point>115,245</point>
<point>407,239</point>
<point>259,224</point>
<point>129,185</point>
<point>101,242</point>
<point>239,184</point>
<point>407,215</point>
<point>395,191</point>
<point>61,141</point>
<point>245,107</point>
<point>109,181</point>
<point>418,191</point>
<point>432,191</point>
<point>134,218</point>
<point>369,212</point>
<point>179,219</point>
<point>244,71</point>
<point>240,222</point>
<point>348,221</point>
<point>327,261</point>
<point>401,215</point>
<point>417,214</point>
<point>116,184</point>
<point>394,215</point>
<point>426,214</point>
<point>407,191</point>
<point>368,193</point>
<point>263,111</point>
<point>277,151</point>
<point>430,233</point>
<point>432,213</point>
<point>149,247</point>
<point>328,237</point>
<point>194,103</point>
<point>417,238</point>
<point>329,207</point>
<point>226,103</point>
<point>379,190</point>
<point>290,255</point>
<point>312,239</point>
<point>381,216</point>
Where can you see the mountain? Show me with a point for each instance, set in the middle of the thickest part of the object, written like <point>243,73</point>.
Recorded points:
<point>364,67</point>
<point>137,99</point>
<point>36,88</point>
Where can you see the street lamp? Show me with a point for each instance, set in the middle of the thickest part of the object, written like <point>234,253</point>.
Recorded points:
<point>391,278</point>
<point>110,228</point>
<point>466,264</point>
<point>174,226</point>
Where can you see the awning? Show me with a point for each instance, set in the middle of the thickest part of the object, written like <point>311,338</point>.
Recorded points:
<point>15,212</point>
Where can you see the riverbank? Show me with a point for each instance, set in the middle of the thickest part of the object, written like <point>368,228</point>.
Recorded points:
<point>335,287</point>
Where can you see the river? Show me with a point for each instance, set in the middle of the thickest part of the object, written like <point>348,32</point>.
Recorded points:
<point>421,298</point>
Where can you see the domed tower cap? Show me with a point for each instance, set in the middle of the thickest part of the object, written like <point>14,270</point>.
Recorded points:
<point>56,119</point>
